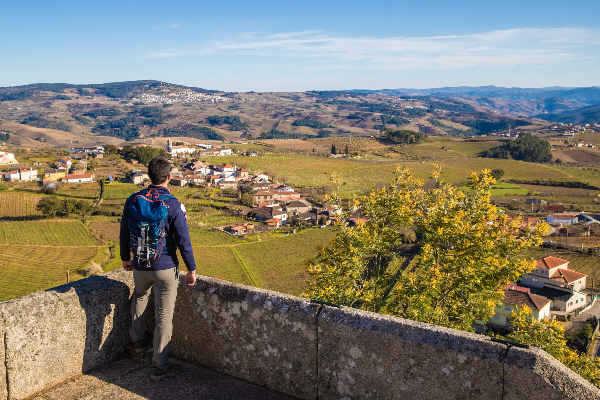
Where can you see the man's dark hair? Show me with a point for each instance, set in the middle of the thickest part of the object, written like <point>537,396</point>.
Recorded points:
<point>158,169</point>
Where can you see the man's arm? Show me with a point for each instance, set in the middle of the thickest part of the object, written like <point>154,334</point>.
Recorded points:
<point>124,239</point>
<point>184,243</point>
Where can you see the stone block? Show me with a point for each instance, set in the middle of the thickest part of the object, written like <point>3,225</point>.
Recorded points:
<point>3,386</point>
<point>368,355</point>
<point>534,374</point>
<point>61,332</point>
<point>263,337</point>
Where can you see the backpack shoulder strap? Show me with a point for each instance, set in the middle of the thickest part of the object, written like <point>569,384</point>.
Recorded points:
<point>166,197</point>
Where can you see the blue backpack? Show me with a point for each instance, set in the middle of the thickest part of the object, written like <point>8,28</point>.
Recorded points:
<point>147,220</point>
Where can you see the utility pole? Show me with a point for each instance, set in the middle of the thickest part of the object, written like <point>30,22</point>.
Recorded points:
<point>68,271</point>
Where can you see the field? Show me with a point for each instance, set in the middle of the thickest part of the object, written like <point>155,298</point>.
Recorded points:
<point>359,176</point>
<point>18,205</point>
<point>27,269</point>
<point>276,262</point>
<point>576,156</point>
<point>80,190</point>
<point>502,189</point>
<point>68,233</point>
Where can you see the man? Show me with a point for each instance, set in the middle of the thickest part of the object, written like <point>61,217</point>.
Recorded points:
<point>162,272</point>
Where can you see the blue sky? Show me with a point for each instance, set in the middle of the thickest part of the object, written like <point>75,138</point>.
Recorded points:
<point>297,46</point>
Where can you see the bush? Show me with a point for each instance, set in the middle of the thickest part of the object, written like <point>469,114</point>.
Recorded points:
<point>93,269</point>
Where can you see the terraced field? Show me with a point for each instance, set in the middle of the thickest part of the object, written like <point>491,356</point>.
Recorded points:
<point>28,269</point>
<point>46,233</point>
<point>18,205</point>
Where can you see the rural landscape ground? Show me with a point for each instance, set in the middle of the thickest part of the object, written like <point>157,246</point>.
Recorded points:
<point>291,135</point>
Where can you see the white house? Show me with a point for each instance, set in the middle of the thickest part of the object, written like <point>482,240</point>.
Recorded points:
<point>226,169</point>
<point>21,175</point>
<point>554,271</point>
<point>563,219</point>
<point>7,158</point>
<point>65,160</point>
<point>79,178</point>
<point>179,150</point>
<point>12,176</point>
<point>225,152</point>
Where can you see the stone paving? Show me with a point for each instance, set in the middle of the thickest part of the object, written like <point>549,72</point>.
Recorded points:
<point>128,379</point>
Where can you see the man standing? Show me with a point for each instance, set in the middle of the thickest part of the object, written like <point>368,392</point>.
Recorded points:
<point>160,272</point>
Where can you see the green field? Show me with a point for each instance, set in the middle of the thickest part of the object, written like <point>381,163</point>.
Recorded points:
<point>446,149</point>
<point>46,233</point>
<point>18,204</point>
<point>277,262</point>
<point>359,176</point>
<point>502,189</point>
<point>80,190</point>
<point>28,269</point>
<point>119,190</point>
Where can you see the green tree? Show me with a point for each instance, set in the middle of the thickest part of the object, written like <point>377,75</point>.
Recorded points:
<point>48,206</point>
<point>346,150</point>
<point>111,149</point>
<point>497,174</point>
<point>468,251</point>
<point>333,149</point>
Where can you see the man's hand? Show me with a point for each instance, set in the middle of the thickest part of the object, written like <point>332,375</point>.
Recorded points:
<point>127,266</point>
<point>190,278</point>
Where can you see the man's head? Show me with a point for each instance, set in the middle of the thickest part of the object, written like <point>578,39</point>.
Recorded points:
<point>159,169</point>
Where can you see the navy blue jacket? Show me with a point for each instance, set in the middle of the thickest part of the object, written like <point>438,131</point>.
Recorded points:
<point>176,230</point>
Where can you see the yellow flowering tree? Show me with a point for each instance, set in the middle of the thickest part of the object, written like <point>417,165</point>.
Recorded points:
<point>550,336</point>
<point>467,252</point>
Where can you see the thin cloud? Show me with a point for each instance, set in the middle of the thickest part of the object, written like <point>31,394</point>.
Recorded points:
<point>511,47</point>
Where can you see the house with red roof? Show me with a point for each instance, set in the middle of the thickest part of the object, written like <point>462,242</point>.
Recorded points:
<point>555,272</point>
<point>518,296</point>
<point>554,208</point>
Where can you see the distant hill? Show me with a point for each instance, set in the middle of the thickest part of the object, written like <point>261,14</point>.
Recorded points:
<point>587,95</point>
<point>585,115</point>
<point>124,90</point>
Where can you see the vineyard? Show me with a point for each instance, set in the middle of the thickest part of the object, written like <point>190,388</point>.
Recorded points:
<point>46,233</point>
<point>18,205</point>
<point>28,269</point>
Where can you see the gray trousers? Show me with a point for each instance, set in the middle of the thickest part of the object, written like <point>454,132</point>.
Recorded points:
<point>165,291</point>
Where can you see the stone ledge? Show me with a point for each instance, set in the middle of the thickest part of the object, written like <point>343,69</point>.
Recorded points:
<point>368,355</point>
<point>282,342</point>
<point>64,331</point>
<point>264,337</point>
<point>534,374</point>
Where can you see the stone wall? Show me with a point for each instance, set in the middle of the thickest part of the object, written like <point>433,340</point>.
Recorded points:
<point>283,342</point>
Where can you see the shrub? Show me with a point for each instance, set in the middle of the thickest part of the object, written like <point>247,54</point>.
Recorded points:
<point>93,269</point>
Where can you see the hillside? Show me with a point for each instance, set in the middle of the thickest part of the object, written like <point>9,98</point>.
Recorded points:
<point>585,115</point>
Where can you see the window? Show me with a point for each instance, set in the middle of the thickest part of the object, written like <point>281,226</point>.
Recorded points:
<point>496,317</point>
<point>582,299</point>
<point>576,301</point>
<point>507,308</point>
<point>533,279</point>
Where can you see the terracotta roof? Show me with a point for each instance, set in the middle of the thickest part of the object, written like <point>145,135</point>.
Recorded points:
<point>554,208</point>
<point>79,176</point>
<point>570,275</point>
<point>519,298</point>
<point>550,262</point>
<point>564,216</point>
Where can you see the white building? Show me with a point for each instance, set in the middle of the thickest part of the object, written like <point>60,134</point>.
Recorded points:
<point>176,151</point>
<point>79,178</point>
<point>7,158</point>
<point>22,174</point>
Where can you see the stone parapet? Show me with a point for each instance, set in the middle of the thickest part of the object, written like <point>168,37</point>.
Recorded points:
<point>53,335</point>
<point>264,337</point>
<point>285,343</point>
